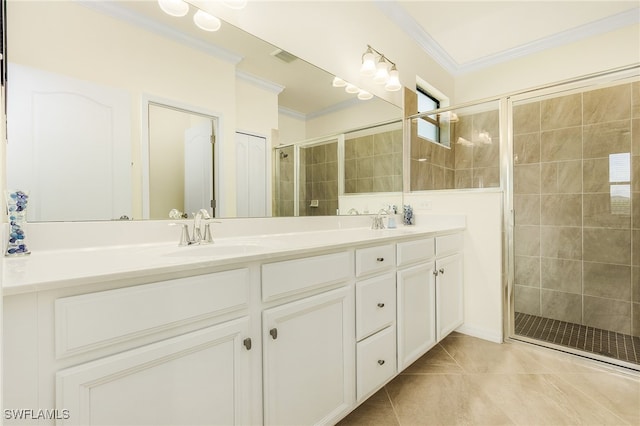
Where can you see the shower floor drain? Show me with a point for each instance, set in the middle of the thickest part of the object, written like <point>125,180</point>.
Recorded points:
<point>603,342</point>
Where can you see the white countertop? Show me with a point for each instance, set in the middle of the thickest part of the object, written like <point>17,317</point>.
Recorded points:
<point>53,269</point>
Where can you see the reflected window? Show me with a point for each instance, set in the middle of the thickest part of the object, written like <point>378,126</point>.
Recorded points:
<point>428,127</point>
<point>620,183</point>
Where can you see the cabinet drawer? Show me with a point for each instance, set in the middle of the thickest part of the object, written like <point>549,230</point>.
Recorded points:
<point>90,321</point>
<point>281,279</point>
<point>413,251</point>
<point>376,361</point>
<point>448,244</point>
<point>375,304</point>
<point>375,259</point>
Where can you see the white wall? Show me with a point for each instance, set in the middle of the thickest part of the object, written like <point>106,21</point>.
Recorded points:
<point>595,54</point>
<point>482,254</point>
<point>292,129</point>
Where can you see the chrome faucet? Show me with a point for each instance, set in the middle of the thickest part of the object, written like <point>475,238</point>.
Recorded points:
<point>198,234</point>
<point>377,219</point>
<point>353,211</point>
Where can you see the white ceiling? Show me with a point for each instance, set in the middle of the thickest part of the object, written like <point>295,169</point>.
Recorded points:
<point>468,35</point>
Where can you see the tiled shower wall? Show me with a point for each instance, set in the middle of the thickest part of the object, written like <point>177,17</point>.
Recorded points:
<point>577,207</point>
<point>284,195</point>
<point>319,179</point>
<point>373,163</point>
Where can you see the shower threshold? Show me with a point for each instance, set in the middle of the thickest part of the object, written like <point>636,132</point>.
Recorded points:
<point>575,336</point>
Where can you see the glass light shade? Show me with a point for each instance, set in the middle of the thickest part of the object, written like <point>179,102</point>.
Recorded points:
<point>382,73</point>
<point>363,95</point>
<point>368,68</point>
<point>393,83</point>
<point>206,21</point>
<point>235,4</point>
<point>174,7</point>
<point>338,82</point>
<point>351,88</point>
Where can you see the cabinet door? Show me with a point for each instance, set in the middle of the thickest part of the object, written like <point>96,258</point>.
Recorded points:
<point>309,359</point>
<point>416,313</point>
<point>449,294</point>
<point>194,379</point>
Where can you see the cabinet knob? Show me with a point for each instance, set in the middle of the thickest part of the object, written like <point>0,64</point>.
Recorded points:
<point>441,271</point>
<point>247,343</point>
<point>435,272</point>
<point>381,362</point>
<point>380,305</point>
<point>380,259</point>
<point>274,333</point>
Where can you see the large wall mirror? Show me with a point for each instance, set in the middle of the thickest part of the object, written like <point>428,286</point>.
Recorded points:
<point>104,97</point>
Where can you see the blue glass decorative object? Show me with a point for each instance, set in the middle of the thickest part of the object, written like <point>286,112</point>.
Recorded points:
<point>407,215</point>
<point>17,212</point>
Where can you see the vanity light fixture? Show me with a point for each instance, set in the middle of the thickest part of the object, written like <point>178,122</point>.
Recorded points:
<point>204,20</point>
<point>351,88</point>
<point>380,70</point>
<point>338,82</point>
<point>363,95</point>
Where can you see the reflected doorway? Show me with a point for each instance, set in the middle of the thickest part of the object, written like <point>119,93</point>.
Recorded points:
<point>181,161</point>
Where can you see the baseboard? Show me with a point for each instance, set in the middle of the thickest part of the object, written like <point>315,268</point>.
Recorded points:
<point>481,333</point>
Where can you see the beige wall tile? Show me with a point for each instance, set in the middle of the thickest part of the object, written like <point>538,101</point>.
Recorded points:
<point>526,179</point>
<point>527,300</point>
<point>608,314</point>
<point>527,240</point>
<point>595,175</point>
<point>635,323</point>
<point>635,136</point>
<point>599,211</point>
<point>601,140</point>
<point>560,112</point>
<point>608,104</point>
<point>635,99</point>
<point>561,242</point>
<point>561,177</point>
<point>561,144</point>
<point>527,209</point>
<point>607,280</point>
<point>526,118</point>
<point>527,271</point>
<point>561,209</point>
<point>526,148</point>
<point>561,275</point>
<point>561,306</point>
<point>607,245</point>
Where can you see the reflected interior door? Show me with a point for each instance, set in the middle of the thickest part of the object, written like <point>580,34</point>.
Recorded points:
<point>198,168</point>
<point>69,144</point>
<point>251,175</point>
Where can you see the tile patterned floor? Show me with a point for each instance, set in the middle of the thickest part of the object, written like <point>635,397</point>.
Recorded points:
<point>603,342</point>
<point>469,381</point>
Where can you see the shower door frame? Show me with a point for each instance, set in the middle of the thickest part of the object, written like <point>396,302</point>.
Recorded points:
<point>577,85</point>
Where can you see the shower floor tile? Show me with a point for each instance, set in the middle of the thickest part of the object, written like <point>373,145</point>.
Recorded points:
<point>602,342</point>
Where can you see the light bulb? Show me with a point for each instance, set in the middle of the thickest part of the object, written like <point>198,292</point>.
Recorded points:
<point>338,82</point>
<point>206,21</point>
<point>174,7</point>
<point>235,4</point>
<point>363,95</point>
<point>368,68</point>
<point>351,88</point>
<point>393,84</point>
<point>382,73</point>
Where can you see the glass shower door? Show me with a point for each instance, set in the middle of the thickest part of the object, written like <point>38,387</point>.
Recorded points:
<point>576,197</point>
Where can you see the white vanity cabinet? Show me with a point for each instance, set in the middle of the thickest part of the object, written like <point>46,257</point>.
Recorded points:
<point>376,360</point>
<point>308,342</point>
<point>449,284</point>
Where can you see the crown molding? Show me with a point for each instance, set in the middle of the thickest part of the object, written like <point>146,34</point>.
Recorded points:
<point>260,82</point>
<point>397,14</point>
<point>292,113</point>
<point>112,9</point>
<point>315,114</point>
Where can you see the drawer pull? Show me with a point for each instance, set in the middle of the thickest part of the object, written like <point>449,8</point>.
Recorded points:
<point>380,305</point>
<point>442,271</point>
<point>381,362</point>
<point>274,333</point>
<point>380,259</point>
<point>247,343</point>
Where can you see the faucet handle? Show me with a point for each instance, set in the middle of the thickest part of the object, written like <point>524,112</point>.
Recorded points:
<point>207,238</point>
<point>185,240</point>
